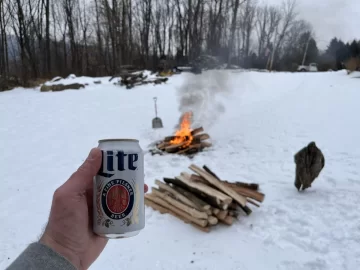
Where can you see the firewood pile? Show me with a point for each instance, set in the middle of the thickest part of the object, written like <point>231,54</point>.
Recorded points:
<point>131,80</point>
<point>202,199</point>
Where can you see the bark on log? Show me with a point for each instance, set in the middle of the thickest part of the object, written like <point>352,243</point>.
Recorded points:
<point>155,199</point>
<point>177,195</point>
<point>164,210</point>
<point>222,200</point>
<point>251,186</point>
<point>215,182</point>
<point>191,211</point>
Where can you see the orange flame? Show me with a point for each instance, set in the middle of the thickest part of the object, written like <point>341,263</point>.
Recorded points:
<point>183,135</point>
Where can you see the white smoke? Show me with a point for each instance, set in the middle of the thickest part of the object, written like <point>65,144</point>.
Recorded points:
<point>201,94</point>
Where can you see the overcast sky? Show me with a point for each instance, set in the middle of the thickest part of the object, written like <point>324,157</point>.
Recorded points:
<point>330,18</point>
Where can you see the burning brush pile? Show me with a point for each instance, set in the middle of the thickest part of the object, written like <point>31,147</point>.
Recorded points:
<point>202,199</point>
<point>185,141</point>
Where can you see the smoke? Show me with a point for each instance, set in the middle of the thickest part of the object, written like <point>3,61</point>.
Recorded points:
<point>201,94</point>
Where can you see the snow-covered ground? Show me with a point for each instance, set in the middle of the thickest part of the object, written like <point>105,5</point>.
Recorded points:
<point>257,121</point>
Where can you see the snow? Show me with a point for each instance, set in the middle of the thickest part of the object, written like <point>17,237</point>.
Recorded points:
<point>257,123</point>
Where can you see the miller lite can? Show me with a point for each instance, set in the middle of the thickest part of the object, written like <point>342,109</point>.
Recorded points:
<point>119,190</point>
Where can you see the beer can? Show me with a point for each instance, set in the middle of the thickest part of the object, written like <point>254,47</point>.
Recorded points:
<point>119,210</point>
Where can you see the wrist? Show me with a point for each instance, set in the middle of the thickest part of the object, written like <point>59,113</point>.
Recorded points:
<point>61,250</point>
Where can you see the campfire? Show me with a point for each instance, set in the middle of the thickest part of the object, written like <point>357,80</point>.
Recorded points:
<point>185,141</point>
<point>203,199</point>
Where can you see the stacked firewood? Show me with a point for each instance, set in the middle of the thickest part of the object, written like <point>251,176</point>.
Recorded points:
<point>186,146</point>
<point>202,199</point>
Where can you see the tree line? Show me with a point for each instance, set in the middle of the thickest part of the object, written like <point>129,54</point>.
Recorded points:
<point>44,38</point>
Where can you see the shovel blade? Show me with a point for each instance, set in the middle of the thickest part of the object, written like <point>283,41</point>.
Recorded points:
<point>157,123</point>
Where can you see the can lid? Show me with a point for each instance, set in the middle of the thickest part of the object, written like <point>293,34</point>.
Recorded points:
<point>118,140</point>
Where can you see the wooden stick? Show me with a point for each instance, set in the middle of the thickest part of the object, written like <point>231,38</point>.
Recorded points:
<point>197,131</point>
<point>174,148</point>
<point>229,220</point>
<point>212,180</point>
<point>163,210</point>
<point>213,220</point>
<point>191,211</point>
<point>187,149</point>
<point>252,202</point>
<point>211,172</point>
<point>200,203</point>
<point>222,214</point>
<point>257,196</point>
<point>222,199</point>
<point>206,144</point>
<point>216,211</point>
<point>192,193</point>
<point>202,137</point>
<point>196,178</point>
<point>155,199</point>
<point>177,195</point>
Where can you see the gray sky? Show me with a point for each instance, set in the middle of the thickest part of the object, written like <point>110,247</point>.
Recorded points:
<point>330,18</point>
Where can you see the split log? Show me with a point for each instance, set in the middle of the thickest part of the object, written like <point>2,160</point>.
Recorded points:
<point>177,195</point>
<point>213,220</point>
<point>190,190</point>
<point>216,211</point>
<point>222,200</point>
<point>191,211</point>
<point>211,172</point>
<point>229,220</point>
<point>155,199</point>
<point>163,210</point>
<point>251,186</point>
<point>169,138</point>
<point>209,212</point>
<point>255,195</point>
<point>191,147</point>
<point>196,178</point>
<point>202,137</point>
<point>252,202</point>
<point>222,214</point>
<point>174,148</point>
<point>197,131</point>
<point>200,204</point>
<point>163,145</point>
<point>221,186</point>
<point>206,144</point>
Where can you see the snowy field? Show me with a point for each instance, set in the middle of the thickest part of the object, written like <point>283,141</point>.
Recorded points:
<point>257,122</point>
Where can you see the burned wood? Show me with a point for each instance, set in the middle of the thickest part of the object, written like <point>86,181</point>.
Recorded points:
<point>197,131</point>
<point>202,137</point>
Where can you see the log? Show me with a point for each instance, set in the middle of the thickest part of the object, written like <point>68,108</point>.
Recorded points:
<point>202,137</point>
<point>252,202</point>
<point>251,186</point>
<point>222,200</point>
<point>198,202</point>
<point>177,195</point>
<point>197,131</point>
<point>222,214</point>
<point>229,220</point>
<point>257,196</point>
<point>184,151</point>
<point>169,138</point>
<point>213,220</point>
<point>209,212</point>
<point>221,186</point>
<point>191,211</point>
<point>206,144</point>
<point>163,210</point>
<point>211,172</point>
<point>216,211</point>
<point>163,145</point>
<point>155,199</point>
<point>196,178</point>
<point>174,148</point>
<point>210,201</point>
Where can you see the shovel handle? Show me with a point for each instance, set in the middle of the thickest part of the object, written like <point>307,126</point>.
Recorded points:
<point>155,99</point>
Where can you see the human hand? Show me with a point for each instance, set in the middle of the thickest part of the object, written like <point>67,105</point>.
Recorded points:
<point>69,231</point>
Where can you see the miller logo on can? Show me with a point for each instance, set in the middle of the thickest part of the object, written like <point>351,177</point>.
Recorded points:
<point>119,190</point>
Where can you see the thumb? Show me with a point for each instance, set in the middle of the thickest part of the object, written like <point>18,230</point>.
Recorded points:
<point>83,177</point>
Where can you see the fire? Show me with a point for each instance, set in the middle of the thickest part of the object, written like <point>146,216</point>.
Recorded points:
<point>184,133</point>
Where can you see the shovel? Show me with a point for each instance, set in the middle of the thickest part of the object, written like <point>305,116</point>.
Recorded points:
<point>156,122</point>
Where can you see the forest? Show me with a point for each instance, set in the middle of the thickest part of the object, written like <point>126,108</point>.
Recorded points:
<point>45,38</point>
